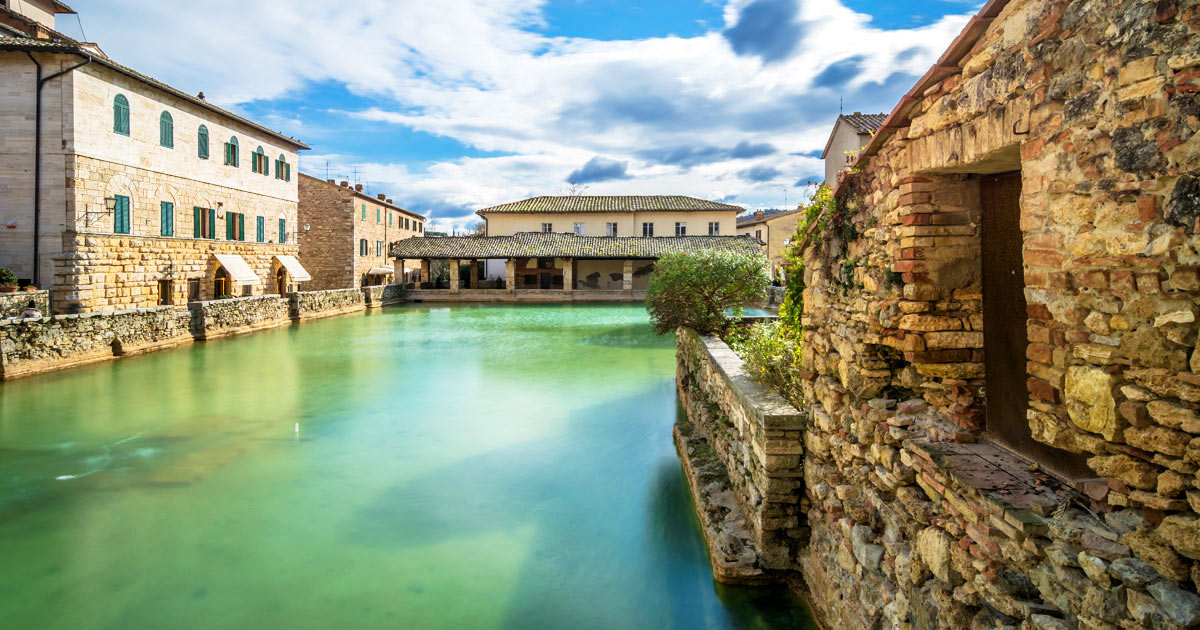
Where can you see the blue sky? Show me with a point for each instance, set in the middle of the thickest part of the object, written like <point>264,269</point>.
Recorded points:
<point>454,105</point>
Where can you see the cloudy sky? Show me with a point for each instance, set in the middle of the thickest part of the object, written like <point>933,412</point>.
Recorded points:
<point>452,105</point>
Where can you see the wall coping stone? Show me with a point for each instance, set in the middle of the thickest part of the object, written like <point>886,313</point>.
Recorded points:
<point>770,409</point>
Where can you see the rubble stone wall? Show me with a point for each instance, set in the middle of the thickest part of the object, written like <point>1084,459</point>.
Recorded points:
<point>233,316</point>
<point>382,295</point>
<point>310,304</point>
<point>12,304</point>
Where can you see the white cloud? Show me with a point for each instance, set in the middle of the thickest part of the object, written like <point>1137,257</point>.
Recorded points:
<point>469,70</point>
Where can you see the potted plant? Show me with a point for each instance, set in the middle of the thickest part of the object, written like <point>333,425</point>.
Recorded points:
<point>8,281</point>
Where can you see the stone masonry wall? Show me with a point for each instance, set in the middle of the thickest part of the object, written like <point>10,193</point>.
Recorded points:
<point>756,436</point>
<point>382,295</point>
<point>918,519</point>
<point>221,318</point>
<point>30,346</point>
<point>310,304</point>
<point>12,304</point>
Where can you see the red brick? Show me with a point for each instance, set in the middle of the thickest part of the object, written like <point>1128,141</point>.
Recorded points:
<point>912,253</point>
<point>1040,353</point>
<point>1032,149</point>
<point>1122,281</point>
<point>1044,258</point>
<point>1041,390</point>
<point>1038,311</point>
<point>914,198</point>
<point>916,219</point>
<point>1093,279</point>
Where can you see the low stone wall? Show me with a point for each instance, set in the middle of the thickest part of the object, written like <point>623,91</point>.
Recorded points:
<point>313,304</point>
<point>11,304</point>
<point>31,346</point>
<point>744,451</point>
<point>234,316</point>
<point>384,294</point>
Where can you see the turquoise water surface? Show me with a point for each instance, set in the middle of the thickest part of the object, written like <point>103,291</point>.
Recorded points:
<point>417,467</point>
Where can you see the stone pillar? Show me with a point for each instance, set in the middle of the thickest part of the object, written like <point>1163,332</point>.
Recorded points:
<point>627,281</point>
<point>425,266</point>
<point>473,275</point>
<point>510,275</point>
<point>398,270</point>
<point>568,275</point>
<point>453,275</point>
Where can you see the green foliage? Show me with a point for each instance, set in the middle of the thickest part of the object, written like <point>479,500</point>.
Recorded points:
<point>792,309</point>
<point>7,277</point>
<point>772,352</point>
<point>695,289</point>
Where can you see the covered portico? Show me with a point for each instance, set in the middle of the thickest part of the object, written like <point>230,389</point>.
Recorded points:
<point>546,267</point>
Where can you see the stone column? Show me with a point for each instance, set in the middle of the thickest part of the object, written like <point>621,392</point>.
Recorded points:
<point>453,275</point>
<point>473,275</point>
<point>568,275</point>
<point>627,281</point>
<point>398,270</point>
<point>425,266</point>
<point>510,275</point>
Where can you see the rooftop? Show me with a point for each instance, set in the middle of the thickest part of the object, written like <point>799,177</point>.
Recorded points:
<point>769,215</point>
<point>565,245</point>
<point>385,201</point>
<point>863,123</point>
<point>611,203</point>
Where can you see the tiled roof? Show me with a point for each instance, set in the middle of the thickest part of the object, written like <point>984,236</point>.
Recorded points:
<point>864,123</point>
<point>361,195</point>
<point>565,245</point>
<point>610,203</point>
<point>750,220</point>
<point>47,45</point>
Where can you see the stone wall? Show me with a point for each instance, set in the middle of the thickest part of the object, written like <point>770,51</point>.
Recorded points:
<point>30,346</point>
<point>234,316</point>
<point>382,295</point>
<point>311,304</point>
<point>12,304</point>
<point>918,518</point>
<point>756,437</point>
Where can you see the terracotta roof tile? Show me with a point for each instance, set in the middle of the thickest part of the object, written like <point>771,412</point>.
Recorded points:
<point>610,203</point>
<point>565,245</point>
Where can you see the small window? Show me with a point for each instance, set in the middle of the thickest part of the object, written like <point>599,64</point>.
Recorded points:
<point>714,228</point>
<point>166,130</point>
<point>166,219</point>
<point>680,228</point>
<point>362,247</point>
<point>647,230</point>
<point>258,162</point>
<point>247,290</point>
<point>579,229</point>
<point>406,223</point>
<point>758,234</point>
<point>121,115</point>
<point>165,289</point>
<point>364,212</point>
<point>283,170</point>
<point>421,227</point>
<point>283,230</point>
<point>231,152</point>
<point>610,229</point>
<point>378,248</point>
<point>547,227</point>
<point>390,219</point>
<point>261,228</point>
<point>194,290</point>
<point>202,142</point>
<point>121,215</point>
<point>378,216</point>
<point>230,226</point>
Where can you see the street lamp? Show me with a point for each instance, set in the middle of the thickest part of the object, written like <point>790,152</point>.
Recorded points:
<point>110,204</point>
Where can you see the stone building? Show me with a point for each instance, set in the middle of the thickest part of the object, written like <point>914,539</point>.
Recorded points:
<point>134,193</point>
<point>613,215</point>
<point>346,234</point>
<point>31,18</point>
<point>851,132</point>
<point>775,230</point>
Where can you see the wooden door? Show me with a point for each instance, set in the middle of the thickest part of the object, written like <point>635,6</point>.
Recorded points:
<point>281,281</point>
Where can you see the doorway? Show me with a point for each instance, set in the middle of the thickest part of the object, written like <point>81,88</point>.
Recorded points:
<point>221,283</point>
<point>281,281</point>
<point>165,291</point>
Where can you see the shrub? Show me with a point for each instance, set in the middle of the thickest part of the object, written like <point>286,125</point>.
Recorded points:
<point>696,289</point>
<point>771,351</point>
<point>7,277</point>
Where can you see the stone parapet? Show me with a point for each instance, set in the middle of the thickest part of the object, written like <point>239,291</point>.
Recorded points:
<point>313,304</point>
<point>757,436</point>
<point>13,304</point>
<point>382,295</point>
<point>215,319</point>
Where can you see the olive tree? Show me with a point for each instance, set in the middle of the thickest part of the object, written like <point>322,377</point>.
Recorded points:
<point>696,289</point>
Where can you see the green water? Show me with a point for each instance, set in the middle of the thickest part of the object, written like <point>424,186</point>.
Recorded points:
<point>418,467</point>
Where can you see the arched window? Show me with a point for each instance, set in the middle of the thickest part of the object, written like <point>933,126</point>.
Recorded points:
<point>121,115</point>
<point>231,152</point>
<point>202,142</point>
<point>258,161</point>
<point>283,170</point>
<point>166,130</point>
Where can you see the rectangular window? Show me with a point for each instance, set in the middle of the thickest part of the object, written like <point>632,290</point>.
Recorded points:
<point>610,229</point>
<point>378,216</point>
<point>165,289</point>
<point>714,228</point>
<point>758,234</point>
<point>247,290</point>
<point>230,226</point>
<point>680,228</point>
<point>579,229</point>
<point>166,219</point>
<point>390,215</point>
<point>378,248</point>
<point>261,227</point>
<point>241,227</point>
<point>212,223</point>
<point>547,227</point>
<point>197,222</point>
<point>364,212</point>
<point>406,223</point>
<point>362,247</point>
<point>421,228</point>
<point>121,215</point>
<point>194,290</point>
<point>647,230</point>
<point>283,230</point>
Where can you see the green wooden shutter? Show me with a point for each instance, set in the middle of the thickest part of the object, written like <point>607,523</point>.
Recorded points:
<point>378,216</point>
<point>262,229</point>
<point>241,227</point>
<point>212,223</point>
<point>121,215</point>
<point>196,233</point>
<point>283,230</point>
<point>266,165</point>
<point>166,219</point>
<point>289,172</point>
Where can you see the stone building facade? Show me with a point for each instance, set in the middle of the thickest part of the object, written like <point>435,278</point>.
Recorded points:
<point>139,185</point>
<point>851,133</point>
<point>347,234</point>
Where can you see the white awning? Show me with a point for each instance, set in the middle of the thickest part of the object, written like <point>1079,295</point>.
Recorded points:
<point>380,271</point>
<point>297,271</point>
<point>239,271</point>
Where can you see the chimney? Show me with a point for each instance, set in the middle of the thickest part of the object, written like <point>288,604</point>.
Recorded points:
<point>858,113</point>
<point>358,188</point>
<point>345,184</point>
<point>759,215</point>
<point>381,196</point>
<point>390,201</point>
<point>200,96</point>
<point>332,181</point>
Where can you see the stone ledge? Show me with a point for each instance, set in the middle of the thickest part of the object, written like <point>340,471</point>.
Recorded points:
<point>768,408</point>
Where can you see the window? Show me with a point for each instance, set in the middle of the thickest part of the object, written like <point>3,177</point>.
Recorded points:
<point>378,248</point>
<point>166,130</point>
<point>202,142</point>
<point>121,215</point>
<point>261,228</point>
<point>166,219</point>
<point>545,263</point>
<point>362,247</point>
<point>258,162</point>
<point>212,223</point>
<point>579,229</point>
<point>194,290</point>
<point>390,219</point>
<point>204,222</point>
<point>714,228</point>
<point>283,170</point>
<point>680,228</point>
<point>647,230</point>
<point>421,227</point>
<point>282,230</point>
<point>247,290</point>
<point>164,292</point>
<point>547,227</point>
<point>378,216</point>
<point>121,115</point>
<point>610,229</point>
<point>241,228</point>
<point>230,226</point>
<point>758,234</point>
<point>406,223</point>
<point>231,152</point>
<point>364,213</point>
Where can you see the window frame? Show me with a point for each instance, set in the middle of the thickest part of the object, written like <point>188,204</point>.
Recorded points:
<point>547,228</point>
<point>121,111</point>
<point>166,218</point>
<point>202,142</point>
<point>166,130</point>
<point>648,230</point>
<point>123,215</point>
<point>610,229</point>
<point>714,228</point>
<point>232,149</point>
<point>681,228</point>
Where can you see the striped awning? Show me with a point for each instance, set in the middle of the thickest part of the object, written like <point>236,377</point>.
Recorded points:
<point>239,271</point>
<point>297,271</point>
<point>380,271</point>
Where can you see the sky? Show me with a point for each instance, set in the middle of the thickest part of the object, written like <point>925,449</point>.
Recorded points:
<point>454,105</point>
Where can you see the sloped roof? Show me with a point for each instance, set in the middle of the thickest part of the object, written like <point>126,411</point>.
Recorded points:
<point>861,123</point>
<point>304,177</point>
<point>610,203</point>
<point>566,245</point>
<point>769,217</point>
<point>32,44</point>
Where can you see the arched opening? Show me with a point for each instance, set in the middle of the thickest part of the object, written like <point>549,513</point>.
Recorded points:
<point>221,283</point>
